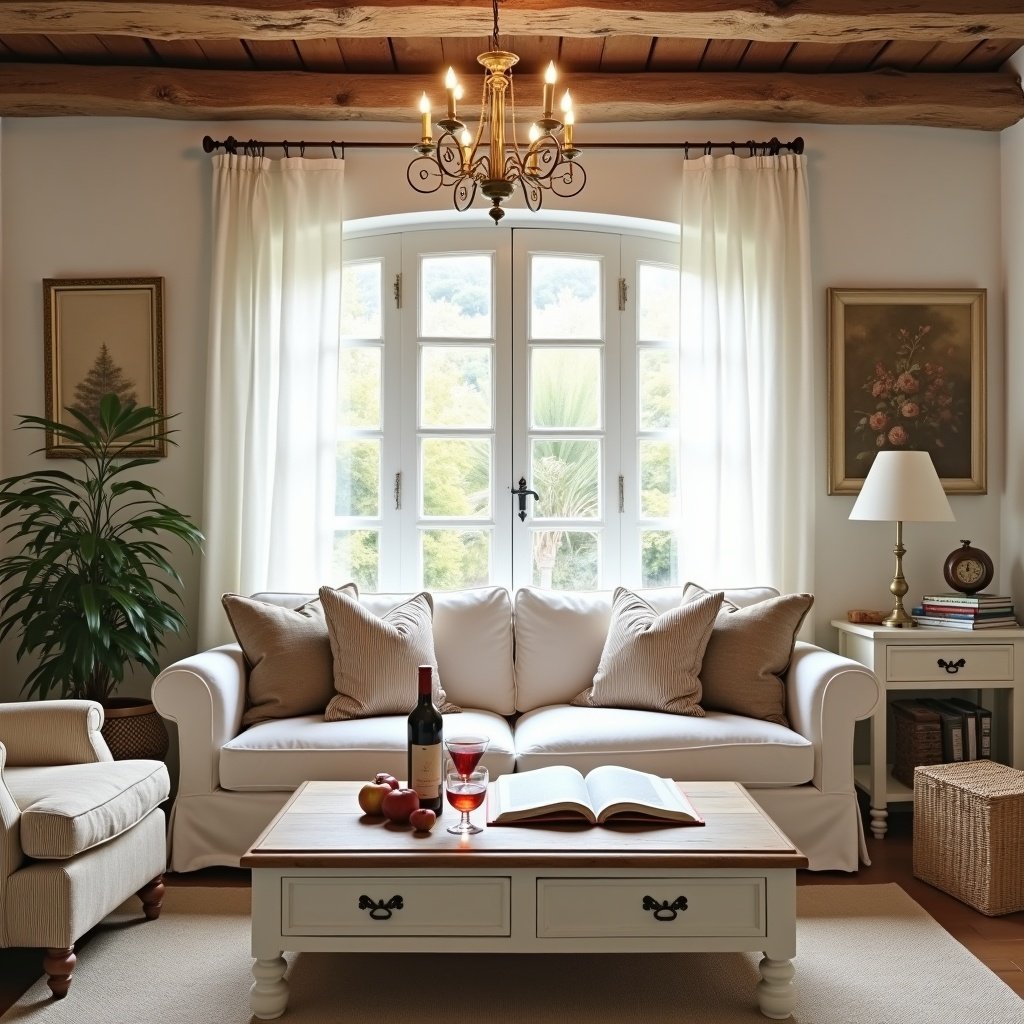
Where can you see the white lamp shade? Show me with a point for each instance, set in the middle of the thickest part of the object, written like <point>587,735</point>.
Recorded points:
<point>902,486</point>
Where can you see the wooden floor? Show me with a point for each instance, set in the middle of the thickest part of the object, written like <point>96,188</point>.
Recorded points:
<point>997,941</point>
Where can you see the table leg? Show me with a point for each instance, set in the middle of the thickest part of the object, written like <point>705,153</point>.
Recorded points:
<point>775,994</point>
<point>268,996</point>
<point>879,772</point>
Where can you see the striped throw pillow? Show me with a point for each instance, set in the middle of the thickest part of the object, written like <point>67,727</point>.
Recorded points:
<point>651,662</point>
<point>375,659</point>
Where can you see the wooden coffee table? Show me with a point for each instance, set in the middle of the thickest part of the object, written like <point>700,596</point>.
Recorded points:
<point>327,879</point>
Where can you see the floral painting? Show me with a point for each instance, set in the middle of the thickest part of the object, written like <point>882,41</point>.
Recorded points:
<point>906,372</point>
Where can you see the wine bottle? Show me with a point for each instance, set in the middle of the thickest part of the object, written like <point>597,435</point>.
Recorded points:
<point>425,726</point>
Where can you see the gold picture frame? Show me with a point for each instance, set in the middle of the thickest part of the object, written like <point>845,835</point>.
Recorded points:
<point>102,335</point>
<point>906,370</point>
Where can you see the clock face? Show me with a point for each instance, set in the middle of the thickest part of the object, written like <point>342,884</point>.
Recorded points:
<point>968,571</point>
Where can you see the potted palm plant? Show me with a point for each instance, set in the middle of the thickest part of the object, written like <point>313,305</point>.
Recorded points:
<point>87,585</point>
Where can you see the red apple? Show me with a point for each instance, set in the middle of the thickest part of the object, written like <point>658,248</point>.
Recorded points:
<point>389,779</point>
<point>399,804</point>
<point>423,819</point>
<point>371,797</point>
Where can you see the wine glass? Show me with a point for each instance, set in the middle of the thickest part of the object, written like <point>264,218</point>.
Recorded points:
<point>465,793</point>
<point>466,751</point>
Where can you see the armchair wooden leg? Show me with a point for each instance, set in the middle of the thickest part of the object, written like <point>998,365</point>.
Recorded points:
<point>59,965</point>
<point>152,896</point>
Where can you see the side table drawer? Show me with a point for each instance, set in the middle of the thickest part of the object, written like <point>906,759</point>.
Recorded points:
<point>981,662</point>
<point>650,907</point>
<point>396,905</point>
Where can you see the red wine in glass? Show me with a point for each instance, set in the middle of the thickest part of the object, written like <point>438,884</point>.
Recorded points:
<point>467,797</point>
<point>465,752</point>
<point>465,794</point>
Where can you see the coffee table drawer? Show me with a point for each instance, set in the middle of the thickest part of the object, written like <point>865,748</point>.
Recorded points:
<point>396,905</point>
<point>650,907</point>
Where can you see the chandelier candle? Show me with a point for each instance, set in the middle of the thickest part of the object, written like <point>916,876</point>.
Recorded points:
<point>425,728</point>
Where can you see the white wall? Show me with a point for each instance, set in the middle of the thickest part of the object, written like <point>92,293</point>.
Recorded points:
<point>891,207</point>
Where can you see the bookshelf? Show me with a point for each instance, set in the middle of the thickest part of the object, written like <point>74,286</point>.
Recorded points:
<point>909,661</point>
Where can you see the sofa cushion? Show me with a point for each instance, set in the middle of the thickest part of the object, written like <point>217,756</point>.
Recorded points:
<point>282,754</point>
<point>559,636</point>
<point>651,661</point>
<point>376,658</point>
<point>67,809</point>
<point>472,642</point>
<point>288,654</point>
<point>718,746</point>
<point>749,652</point>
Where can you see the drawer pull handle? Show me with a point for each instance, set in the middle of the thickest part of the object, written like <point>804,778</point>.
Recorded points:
<point>665,911</point>
<point>379,910</point>
<point>952,667</point>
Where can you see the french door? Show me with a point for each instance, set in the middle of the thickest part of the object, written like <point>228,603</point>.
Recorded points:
<point>507,410</point>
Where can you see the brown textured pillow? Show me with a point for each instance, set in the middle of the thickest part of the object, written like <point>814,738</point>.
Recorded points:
<point>375,659</point>
<point>749,651</point>
<point>650,661</point>
<point>288,653</point>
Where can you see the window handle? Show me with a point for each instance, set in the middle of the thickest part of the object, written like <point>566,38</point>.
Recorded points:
<point>522,494</point>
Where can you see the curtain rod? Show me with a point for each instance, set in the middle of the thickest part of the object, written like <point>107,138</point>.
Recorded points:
<point>771,147</point>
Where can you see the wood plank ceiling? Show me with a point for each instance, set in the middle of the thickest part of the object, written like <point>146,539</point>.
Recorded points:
<point>925,62</point>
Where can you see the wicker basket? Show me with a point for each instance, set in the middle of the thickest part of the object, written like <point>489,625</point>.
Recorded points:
<point>917,738</point>
<point>968,824</point>
<point>133,728</point>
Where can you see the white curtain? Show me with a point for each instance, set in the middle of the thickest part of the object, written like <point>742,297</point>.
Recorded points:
<point>271,403</point>
<point>746,404</point>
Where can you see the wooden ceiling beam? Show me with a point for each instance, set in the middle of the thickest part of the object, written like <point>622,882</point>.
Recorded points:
<point>986,101</point>
<point>820,21</point>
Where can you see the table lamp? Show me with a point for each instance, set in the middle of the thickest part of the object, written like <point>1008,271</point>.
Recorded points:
<point>902,486</point>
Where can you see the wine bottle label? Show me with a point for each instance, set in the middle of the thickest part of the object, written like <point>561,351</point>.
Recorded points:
<point>426,771</point>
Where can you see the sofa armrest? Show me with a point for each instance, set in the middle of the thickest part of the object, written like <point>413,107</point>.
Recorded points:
<point>825,695</point>
<point>205,696</point>
<point>48,732</point>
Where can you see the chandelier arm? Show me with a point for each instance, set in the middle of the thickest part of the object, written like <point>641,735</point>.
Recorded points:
<point>533,194</point>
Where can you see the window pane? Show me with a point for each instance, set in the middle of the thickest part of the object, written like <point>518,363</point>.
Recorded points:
<point>356,558</point>
<point>456,296</point>
<point>361,299</point>
<point>659,388</point>
<point>659,558</point>
<point>659,479</point>
<point>453,559</point>
<point>565,559</point>
<point>658,305</point>
<point>359,388</point>
<point>456,386</point>
<point>456,476</point>
<point>565,297</point>
<point>566,475</point>
<point>565,387</point>
<point>357,491</point>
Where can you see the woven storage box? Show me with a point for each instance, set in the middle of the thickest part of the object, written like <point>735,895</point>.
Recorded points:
<point>917,738</point>
<point>968,829</point>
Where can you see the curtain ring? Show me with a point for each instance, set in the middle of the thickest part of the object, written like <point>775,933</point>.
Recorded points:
<point>732,146</point>
<point>302,149</point>
<point>707,149</point>
<point>686,151</point>
<point>334,151</point>
<point>284,146</point>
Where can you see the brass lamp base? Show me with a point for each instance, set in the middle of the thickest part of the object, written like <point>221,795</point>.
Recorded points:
<point>898,617</point>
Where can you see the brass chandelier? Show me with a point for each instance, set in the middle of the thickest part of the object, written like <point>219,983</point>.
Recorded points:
<point>458,161</point>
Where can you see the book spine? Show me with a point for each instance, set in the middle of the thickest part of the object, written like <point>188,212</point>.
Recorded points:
<point>934,620</point>
<point>952,729</point>
<point>969,602</point>
<point>966,613</point>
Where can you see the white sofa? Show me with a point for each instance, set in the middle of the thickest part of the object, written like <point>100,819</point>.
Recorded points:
<point>231,783</point>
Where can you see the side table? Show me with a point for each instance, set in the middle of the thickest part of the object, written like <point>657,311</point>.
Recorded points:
<point>932,658</point>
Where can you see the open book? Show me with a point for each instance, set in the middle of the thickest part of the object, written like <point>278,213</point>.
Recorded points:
<point>563,793</point>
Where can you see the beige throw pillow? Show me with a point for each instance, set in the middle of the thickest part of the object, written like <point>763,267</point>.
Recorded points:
<point>288,654</point>
<point>748,654</point>
<point>375,659</point>
<point>650,661</point>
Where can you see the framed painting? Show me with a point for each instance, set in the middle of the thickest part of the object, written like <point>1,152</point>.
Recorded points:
<point>102,335</point>
<point>907,371</point>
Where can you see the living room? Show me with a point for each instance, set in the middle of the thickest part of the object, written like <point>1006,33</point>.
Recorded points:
<point>891,206</point>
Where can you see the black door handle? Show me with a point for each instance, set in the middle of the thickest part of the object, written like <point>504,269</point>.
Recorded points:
<point>522,494</point>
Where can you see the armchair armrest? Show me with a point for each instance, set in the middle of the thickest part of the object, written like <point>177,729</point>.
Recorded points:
<point>825,695</point>
<point>205,696</point>
<point>11,856</point>
<point>47,732</point>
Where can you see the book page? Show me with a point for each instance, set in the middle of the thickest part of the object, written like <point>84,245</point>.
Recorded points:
<point>614,788</point>
<point>542,790</point>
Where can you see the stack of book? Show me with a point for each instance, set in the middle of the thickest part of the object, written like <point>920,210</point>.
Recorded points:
<point>965,611</point>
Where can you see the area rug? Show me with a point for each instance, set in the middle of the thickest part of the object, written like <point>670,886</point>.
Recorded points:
<point>867,954</point>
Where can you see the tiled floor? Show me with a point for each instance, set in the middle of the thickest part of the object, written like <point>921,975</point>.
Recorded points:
<point>996,941</point>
